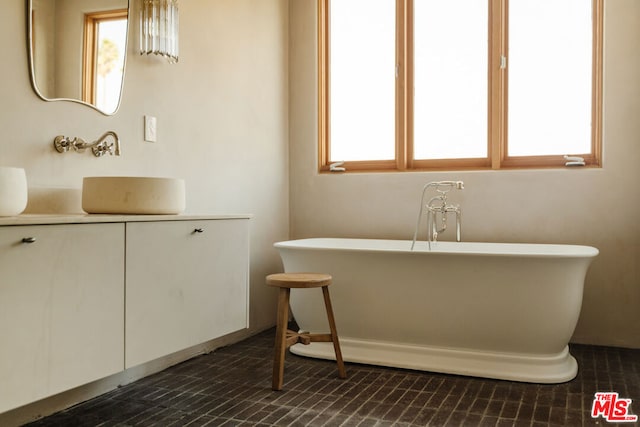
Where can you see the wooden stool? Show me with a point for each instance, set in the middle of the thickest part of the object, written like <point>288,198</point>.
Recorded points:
<point>285,337</point>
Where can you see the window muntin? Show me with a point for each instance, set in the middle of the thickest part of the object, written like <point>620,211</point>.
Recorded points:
<point>495,143</point>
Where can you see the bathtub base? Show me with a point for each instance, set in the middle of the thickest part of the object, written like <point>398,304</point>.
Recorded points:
<point>548,369</point>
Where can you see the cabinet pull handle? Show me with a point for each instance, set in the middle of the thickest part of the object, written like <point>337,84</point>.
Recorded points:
<point>198,230</point>
<point>28,240</point>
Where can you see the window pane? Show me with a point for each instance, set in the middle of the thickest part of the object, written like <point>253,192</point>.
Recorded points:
<point>362,49</point>
<point>450,88</point>
<point>549,77</point>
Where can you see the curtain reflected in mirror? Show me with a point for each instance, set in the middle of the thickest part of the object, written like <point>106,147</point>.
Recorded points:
<point>78,50</point>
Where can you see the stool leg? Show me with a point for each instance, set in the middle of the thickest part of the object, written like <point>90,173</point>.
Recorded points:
<point>281,338</point>
<point>334,334</point>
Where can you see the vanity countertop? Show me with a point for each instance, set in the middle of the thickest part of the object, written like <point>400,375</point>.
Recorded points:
<point>41,219</point>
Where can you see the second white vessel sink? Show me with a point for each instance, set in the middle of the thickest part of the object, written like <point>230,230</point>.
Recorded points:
<point>13,191</point>
<point>133,195</point>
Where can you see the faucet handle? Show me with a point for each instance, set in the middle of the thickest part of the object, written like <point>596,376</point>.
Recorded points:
<point>62,144</point>
<point>102,148</point>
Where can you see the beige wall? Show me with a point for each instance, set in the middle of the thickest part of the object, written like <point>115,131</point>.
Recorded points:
<point>598,207</point>
<point>222,122</point>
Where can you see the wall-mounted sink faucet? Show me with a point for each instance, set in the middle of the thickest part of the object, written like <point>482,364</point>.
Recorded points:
<point>438,205</point>
<point>99,147</point>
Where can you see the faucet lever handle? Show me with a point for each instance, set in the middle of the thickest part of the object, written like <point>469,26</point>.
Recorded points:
<point>102,148</point>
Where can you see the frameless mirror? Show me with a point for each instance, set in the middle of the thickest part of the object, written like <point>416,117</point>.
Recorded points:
<point>77,50</point>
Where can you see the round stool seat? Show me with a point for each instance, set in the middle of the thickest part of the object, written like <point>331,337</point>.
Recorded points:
<point>299,280</point>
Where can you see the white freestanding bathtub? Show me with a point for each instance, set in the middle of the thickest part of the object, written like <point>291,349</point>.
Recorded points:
<point>491,310</point>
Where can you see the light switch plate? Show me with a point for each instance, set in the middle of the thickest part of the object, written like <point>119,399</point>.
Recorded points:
<point>150,129</point>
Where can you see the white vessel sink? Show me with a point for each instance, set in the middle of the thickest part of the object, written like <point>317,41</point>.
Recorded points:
<point>133,195</point>
<point>13,191</point>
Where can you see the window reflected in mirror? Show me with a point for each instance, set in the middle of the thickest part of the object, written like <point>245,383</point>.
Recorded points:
<point>77,50</point>
<point>104,49</point>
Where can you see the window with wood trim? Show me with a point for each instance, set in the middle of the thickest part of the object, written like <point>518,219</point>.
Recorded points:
<point>464,84</point>
<point>104,51</point>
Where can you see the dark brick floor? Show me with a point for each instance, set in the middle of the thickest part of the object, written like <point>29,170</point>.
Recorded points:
<point>231,387</point>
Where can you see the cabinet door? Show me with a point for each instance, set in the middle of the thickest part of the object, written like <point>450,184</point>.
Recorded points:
<point>186,283</point>
<point>61,308</point>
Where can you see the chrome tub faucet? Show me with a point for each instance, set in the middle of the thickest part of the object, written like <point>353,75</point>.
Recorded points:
<point>437,211</point>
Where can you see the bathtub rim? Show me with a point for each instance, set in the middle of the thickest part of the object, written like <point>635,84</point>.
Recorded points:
<point>537,250</point>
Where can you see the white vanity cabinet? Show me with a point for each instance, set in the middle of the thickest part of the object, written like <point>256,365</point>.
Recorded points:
<point>187,283</point>
<point>87,296</point>
<point>61,308</point>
